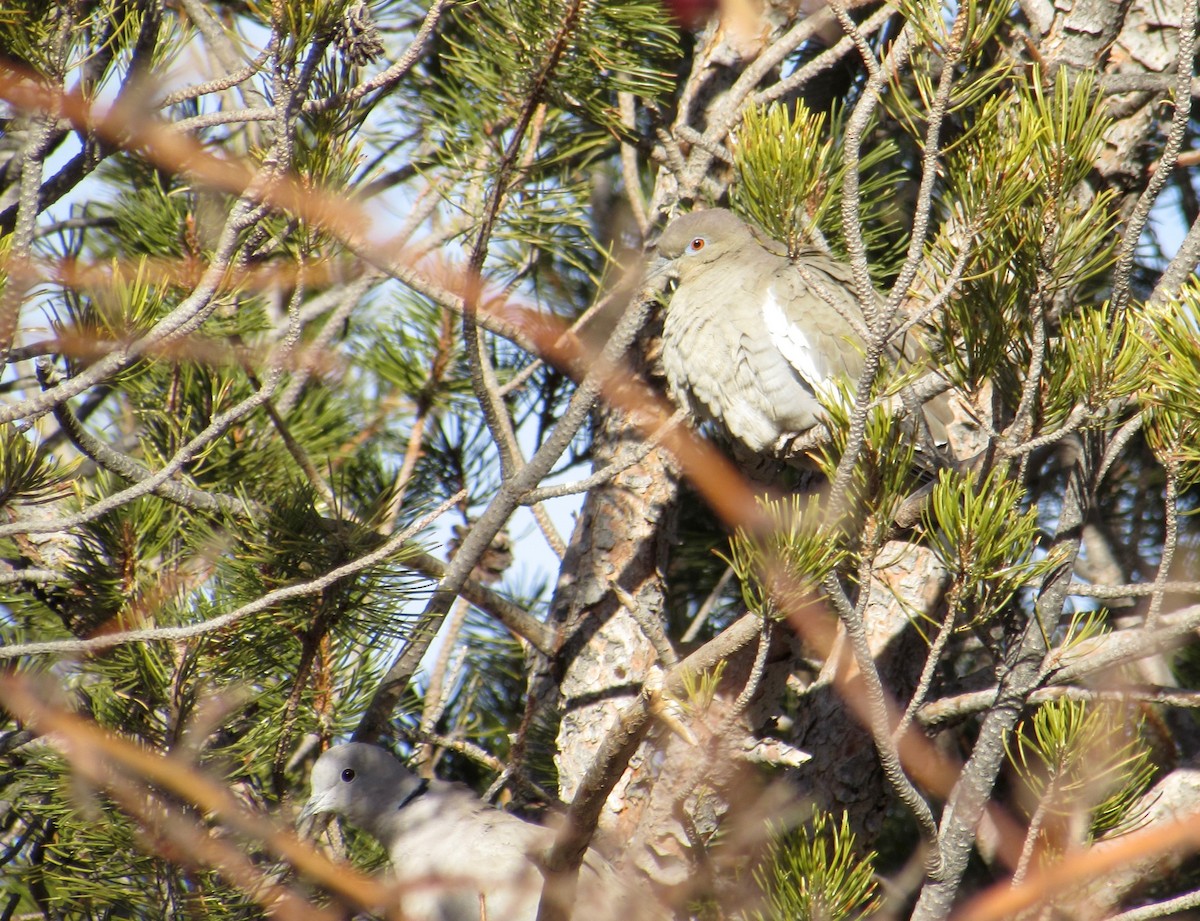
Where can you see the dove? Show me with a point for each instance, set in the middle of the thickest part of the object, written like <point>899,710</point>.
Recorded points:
<point>458,858</point>
<point>752,338</point>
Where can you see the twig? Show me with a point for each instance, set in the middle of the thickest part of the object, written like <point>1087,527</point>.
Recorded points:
<point>74,171</point>
<point>1118,443</point>
<point>1123,269</point>
<point>850,27</point>
<point>425,402</point>
<point>479,755</point>
<point>878,317</point>
<point>1034,831</point>
<point>190,312</point>
<point>1078,416</point>
<point>222,46</point>
<point>290,443</point>
<point>1022,425</point>
<point>672,154</point>
<point>441,684</point>
<point>650,626</point>
<point>511,616</point>
<point>1160,909</point>
<point>190,631</point>
<point>630,174</point>
<point>1133,589</point>
<point>932,661</point>
<point>153,481</point>
<point>346,298</point>
<point>938,714</point>
<point>525,135</point>
<point>1004,902</point>
<point>825,60</point>
<point>21,252</point>
<point>953,279</point>
<point>877,709</point>
<point>393,74</point>
<point>128,468</point>
<point>1023,670</point>
<point>1170,539</point>
<point>706,607</point>
<point>219,84</point>
<point>754,679</point>
<point>13,576</point>
<point>619,465</point>
<point>223,117</point>
<point>1181,267</point>
<point>1121,647</point>
<point>729,108</point>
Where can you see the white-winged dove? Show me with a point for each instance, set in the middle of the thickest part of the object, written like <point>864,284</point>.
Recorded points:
<point>752,336</point>
<point>464,859</point>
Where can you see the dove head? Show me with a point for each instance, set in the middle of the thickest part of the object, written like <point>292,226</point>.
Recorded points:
<point>692,242</point>
<point>362,783</point>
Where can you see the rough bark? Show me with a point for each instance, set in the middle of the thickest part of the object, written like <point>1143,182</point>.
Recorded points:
<point>604,656</point>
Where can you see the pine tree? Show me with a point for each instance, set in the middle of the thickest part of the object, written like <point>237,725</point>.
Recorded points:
<point>310,307</point>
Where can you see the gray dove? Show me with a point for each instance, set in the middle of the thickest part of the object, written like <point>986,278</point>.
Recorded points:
<point>465,860</point>
<point>752,337</point>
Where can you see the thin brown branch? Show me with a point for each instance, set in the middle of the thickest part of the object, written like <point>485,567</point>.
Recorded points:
<point>1002,901</point>
<point>87,745</point>
<point>877,708</point>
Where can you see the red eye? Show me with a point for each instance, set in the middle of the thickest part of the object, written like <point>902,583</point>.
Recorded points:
<point>696,245</point>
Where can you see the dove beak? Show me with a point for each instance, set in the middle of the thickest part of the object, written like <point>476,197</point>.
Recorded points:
<point>314,806</point>
<point>660,267</point>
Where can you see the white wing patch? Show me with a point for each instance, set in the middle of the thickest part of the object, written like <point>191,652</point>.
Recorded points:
<point>795,346</point>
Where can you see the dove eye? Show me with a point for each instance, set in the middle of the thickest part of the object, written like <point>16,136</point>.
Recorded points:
<point>348,775</point>
<point>696,245</point>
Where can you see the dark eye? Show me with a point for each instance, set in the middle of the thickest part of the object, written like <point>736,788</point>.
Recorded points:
<point>696,245</point>
<point>348,775</point>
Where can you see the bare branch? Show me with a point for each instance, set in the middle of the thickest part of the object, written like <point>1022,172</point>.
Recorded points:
<point>1166,163</point>
<point>392,545</point>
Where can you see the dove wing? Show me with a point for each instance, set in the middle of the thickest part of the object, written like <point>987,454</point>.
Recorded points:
<point>806,313</point>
